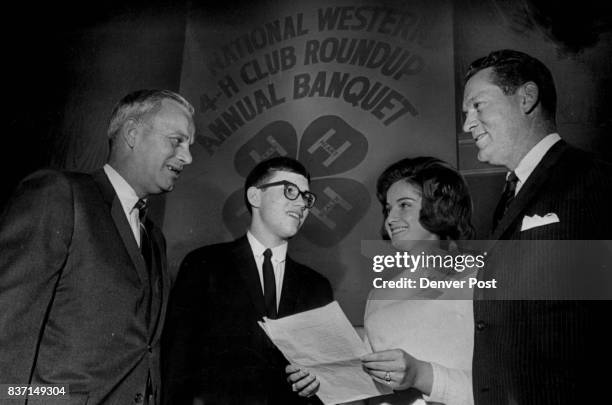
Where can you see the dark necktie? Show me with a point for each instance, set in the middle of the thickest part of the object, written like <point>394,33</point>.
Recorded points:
<point>506,198</point>
<point>145,243</point>
<point>147,253</point>
<point>269,285</point>
<point>146,250</point>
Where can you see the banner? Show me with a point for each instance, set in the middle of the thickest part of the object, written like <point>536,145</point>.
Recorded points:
<point>347,88</point>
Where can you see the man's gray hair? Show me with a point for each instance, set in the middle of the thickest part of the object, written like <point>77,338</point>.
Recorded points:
<point>138,103</point>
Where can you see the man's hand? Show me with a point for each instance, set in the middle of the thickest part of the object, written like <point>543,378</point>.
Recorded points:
<point>302,382</point>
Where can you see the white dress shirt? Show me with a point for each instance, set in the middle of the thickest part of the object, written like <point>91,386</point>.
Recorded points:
<point>279,254</point>
<point>529,162</point>
<point>127,197</point>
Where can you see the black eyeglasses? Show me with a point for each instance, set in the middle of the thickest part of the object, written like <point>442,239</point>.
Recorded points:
<point>292,192</point>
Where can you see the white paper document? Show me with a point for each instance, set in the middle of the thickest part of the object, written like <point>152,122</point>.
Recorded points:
<point>323,342</point>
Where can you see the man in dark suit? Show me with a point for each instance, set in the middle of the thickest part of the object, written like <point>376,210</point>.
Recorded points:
<point>214,350</point>
<point>83,280</point>
<point>537,338</point>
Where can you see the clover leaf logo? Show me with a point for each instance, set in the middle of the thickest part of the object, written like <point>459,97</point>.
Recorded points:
<point>328,147</point>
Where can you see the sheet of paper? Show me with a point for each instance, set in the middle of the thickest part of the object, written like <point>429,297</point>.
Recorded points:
<point>324,342</point>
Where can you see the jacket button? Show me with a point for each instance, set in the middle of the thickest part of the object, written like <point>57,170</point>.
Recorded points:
<point>139,398</point>
<point>480,326</point>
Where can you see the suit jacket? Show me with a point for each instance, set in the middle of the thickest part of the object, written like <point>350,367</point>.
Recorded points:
<point>213,346</point>
<point>534,343</point>
<point>74,292</point>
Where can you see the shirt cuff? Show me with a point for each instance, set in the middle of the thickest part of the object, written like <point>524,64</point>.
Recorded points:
<point>439,384</point>
<point>450,386</point>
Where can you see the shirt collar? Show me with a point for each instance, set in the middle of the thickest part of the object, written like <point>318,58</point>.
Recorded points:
<point>124,191</point>
<point>529,162</point>
<point>279,253</point>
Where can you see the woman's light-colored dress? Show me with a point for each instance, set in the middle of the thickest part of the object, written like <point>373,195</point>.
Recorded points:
<point>434,325</point>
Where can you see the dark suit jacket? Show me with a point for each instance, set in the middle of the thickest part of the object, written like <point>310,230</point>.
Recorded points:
<point>213,346</point>
<point>74,290</point>
<point>547,351</point>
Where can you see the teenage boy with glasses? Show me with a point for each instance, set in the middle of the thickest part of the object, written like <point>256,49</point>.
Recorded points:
<point>214,349</point>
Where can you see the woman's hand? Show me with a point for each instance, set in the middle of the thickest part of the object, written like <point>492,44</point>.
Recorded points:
<point>399,370</point>
<point>302,382</point>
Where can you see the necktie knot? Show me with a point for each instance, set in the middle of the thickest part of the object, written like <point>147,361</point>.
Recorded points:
<point>267,254</point>
<point>141,206</point>
<point>511,182</point>
<point>506,198</point>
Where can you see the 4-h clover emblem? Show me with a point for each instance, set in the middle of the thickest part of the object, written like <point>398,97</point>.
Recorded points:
<point>329,147</point>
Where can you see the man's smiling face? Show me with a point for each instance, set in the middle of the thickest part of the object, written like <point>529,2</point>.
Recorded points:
<point>281,218</point>
<point>494,119</point>
<point>161,148</point>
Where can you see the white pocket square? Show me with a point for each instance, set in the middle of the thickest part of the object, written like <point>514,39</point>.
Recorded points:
<point>536,220</point>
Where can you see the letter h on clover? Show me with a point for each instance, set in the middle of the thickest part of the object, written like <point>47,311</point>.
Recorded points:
<point>328,147</point>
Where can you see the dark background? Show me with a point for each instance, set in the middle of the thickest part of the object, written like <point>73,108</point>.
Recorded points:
<point>66,64</point>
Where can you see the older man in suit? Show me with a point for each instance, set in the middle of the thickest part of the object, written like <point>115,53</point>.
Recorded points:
<point>214,350</point>
<point>537,338</point>
<point>83,280</point>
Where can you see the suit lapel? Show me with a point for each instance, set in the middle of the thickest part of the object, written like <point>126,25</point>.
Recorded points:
<point>121,222</point>
<point>290,291</point>
<point>531,188</point>
<point>244,262</point>
<point>162,278</point>
<point>165,293</point>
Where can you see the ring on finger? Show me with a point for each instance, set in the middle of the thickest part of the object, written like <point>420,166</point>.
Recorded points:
<point>388,377</point>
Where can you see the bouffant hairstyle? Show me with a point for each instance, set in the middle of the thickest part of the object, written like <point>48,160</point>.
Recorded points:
<point>446,207</point>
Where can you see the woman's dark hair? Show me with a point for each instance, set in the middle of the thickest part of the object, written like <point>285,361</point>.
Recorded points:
<point>446,206</point>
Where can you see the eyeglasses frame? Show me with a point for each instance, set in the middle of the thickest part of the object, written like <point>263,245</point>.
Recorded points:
<point>285,184</point>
